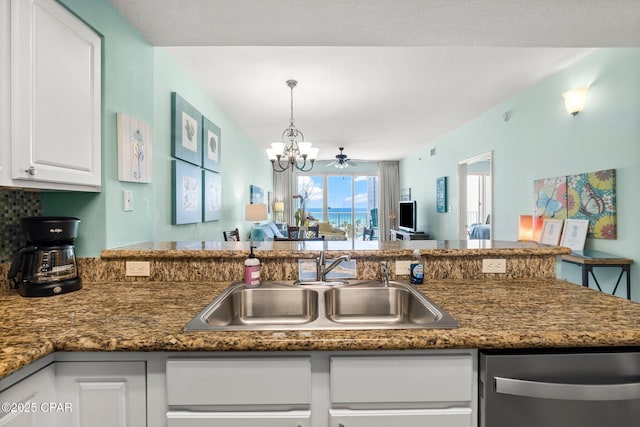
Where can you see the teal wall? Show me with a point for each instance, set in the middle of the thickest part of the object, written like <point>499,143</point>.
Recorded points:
<point>127,86</point>
<point>542,140</point>
<point>137,80</point>
<point>243,162</point>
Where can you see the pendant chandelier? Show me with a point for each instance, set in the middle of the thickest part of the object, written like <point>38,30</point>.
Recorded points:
<point>293,151</point>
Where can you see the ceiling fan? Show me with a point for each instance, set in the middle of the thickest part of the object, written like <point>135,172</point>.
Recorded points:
<point>342,160</point>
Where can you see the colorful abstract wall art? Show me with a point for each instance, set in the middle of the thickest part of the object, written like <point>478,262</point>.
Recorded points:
<point>590,196</point>
<point>551,197</point>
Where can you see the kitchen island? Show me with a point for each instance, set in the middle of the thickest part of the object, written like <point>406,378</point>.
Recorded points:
<point>149,316</point>
<point>137,323</point>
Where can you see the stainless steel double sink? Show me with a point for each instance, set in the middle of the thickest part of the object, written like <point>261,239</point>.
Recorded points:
<point>354,304</point>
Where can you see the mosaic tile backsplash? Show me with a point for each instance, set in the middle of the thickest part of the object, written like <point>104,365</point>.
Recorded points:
<point>14,205</point>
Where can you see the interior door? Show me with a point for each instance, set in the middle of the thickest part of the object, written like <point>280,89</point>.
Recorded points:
<point>479,166</point>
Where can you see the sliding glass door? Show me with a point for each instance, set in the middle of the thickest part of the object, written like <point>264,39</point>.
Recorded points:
<point>347,202</point>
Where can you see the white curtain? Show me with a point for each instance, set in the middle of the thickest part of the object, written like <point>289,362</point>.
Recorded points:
<point>283,188</point>
<point>389,181</point>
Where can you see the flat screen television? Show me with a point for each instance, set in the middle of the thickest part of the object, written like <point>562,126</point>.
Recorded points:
<point>407,216</point>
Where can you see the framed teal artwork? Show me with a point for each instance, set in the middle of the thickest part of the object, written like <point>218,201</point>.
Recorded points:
<point>186,131</point>
<point>211,196</point>
<point>256,195</point>
<point>211,139</point>
<point>186,191</point>
<point>441,194</point>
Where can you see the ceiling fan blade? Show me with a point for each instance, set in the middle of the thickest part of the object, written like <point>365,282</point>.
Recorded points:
<point>331,163</point>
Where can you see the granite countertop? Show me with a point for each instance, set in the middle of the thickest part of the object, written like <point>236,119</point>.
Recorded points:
<point>301,249</point>
<point>149,316</point>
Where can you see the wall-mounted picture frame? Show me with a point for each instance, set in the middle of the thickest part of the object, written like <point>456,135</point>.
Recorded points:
<point>256,195</point>
<point>405,194</point>
<point>134,149</point>
<point>186,191</point>
<point>574,234</point>
<point>186,131</point>
<point>551,231</point>
<point>211,196</point>
<point>211,144</point>
<point>441,194</point>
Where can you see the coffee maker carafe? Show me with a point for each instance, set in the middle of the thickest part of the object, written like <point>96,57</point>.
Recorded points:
<point>47,266</point>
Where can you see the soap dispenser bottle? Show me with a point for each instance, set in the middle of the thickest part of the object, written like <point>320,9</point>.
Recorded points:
<point>417,269</point>
<point>252,270</point>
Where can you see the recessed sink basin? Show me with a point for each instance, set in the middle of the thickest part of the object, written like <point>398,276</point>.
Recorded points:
<point>387,305</point>
<point>240,306</point>
<point>350,304</point>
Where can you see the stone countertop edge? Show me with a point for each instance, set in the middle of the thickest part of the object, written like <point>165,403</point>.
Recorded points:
<point>149,316</point>
<point>375,249</point>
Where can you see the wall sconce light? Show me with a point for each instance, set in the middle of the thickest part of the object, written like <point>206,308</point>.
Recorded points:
<point>574,100</point>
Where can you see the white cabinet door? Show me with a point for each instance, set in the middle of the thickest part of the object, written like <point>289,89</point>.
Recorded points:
<point>453,417</point>
<point>5,92</point>
<point>102,394</point>
<point>55,98</point>
<point>26,404</point>
<point>239,419</point>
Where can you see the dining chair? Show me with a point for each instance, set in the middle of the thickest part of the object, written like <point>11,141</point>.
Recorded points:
<point>231,236</point>
<point>367,234</point>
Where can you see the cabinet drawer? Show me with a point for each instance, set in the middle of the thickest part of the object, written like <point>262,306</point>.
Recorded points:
<point>420,378</point>
<point>239,419</point>
<point>453,417</point>
<point>239,381</point>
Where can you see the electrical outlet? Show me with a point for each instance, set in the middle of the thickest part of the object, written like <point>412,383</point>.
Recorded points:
<point>403,268</point>
<point>495,265</point>
<point>137,268</point>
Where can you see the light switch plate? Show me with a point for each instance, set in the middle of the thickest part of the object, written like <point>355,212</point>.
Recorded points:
<point>127,200</point>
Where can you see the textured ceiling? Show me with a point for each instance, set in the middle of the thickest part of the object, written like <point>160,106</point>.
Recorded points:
<point>381,78</point>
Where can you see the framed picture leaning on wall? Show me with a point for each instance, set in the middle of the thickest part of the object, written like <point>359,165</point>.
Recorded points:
<point>574,234</point>
<point>551,231</point>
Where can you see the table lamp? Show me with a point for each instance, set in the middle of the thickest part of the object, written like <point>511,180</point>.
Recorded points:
<point>256,213</point>
<point>278,208</point>
<point>525,228</point>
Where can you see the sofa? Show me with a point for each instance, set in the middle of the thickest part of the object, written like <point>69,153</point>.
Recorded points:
<point>330,233</point>
<point>270,230</point>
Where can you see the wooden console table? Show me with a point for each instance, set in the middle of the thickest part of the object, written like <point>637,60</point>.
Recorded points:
<point>405,235</point>
<point>588,259</point>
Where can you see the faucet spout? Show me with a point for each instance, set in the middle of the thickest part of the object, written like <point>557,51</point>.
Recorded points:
<point>322,270</point>
<point>385,273</point>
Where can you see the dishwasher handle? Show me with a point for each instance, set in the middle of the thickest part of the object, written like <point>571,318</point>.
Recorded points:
<point>560,391</point>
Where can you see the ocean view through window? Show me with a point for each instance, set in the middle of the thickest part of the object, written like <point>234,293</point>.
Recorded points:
<point>347,202</point>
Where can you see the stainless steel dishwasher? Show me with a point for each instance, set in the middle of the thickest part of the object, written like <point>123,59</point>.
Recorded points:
<point>560,389</point>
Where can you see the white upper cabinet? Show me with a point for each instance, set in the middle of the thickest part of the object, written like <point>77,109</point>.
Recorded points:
<point>55,102</point>
<point>5,91</point>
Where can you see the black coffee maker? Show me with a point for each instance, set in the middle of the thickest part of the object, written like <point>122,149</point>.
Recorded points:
<point>47,266</point>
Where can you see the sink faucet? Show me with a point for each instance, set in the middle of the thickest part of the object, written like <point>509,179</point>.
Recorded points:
<point>322,270</point>
<point>385,273</point>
